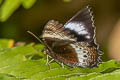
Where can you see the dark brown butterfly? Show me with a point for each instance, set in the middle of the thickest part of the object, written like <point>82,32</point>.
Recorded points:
<point>73,43</point>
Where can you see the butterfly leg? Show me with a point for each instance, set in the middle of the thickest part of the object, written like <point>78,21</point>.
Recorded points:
<point>45,51</point>
<point>47,59</point>
<point>50,61</point>
<point>62,65</point>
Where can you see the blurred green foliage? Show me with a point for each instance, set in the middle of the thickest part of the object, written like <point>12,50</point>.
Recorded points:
<point>28,3</point>
<point>9,6</point>
<point>6,43</point>
<point>67,0</point>
<point>0,1</point>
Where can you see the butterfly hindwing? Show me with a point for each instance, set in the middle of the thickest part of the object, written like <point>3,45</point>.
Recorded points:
<point>63,53</point>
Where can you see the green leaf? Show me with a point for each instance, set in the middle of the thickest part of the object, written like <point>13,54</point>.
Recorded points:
<point>104,69</point>
<point>28,3</point>
<point>84,77</point>
<point>1,1</point>
<point>29,62</point>
<point>109,76</point>
<point>8,77</point>
<point>5,43</point>
<point>9,6</point>
<point>7,9</point>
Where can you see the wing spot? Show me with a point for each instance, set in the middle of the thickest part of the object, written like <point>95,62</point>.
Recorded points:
<point>85,56</point>
<point>81,48</point>
<point>85,51</point>
<point>83,60</point>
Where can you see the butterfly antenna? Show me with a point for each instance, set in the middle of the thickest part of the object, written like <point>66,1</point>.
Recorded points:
<point>35,36</point>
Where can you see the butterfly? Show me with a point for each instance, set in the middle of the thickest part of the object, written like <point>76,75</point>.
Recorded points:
<point>73,43</point>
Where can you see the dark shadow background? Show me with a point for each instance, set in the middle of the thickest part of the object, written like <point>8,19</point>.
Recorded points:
<point>106,15</point>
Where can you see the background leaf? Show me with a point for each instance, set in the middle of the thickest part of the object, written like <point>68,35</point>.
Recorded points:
<point>6,43</point>
<point>28,3</point>
<point>10,6</point>
<point>67,0</point>
<point>7,8</point>
<point>0,1</point>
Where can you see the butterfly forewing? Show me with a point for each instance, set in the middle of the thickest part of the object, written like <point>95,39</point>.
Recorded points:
<point>81,25</point>
<point>58,42</point>
<point>54,30</point>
